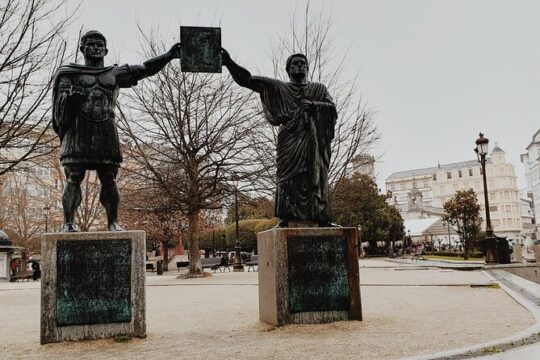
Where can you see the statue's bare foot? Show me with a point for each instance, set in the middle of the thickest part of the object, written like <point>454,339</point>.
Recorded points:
<point>328,224</point>
<point>282,224</point>
<point>115,227</point>
<point>70,227</point>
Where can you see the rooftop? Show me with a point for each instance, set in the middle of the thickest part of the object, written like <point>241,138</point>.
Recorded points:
<point>433,170</point>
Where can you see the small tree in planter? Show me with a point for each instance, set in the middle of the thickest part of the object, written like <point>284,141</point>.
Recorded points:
<point>463,212</point>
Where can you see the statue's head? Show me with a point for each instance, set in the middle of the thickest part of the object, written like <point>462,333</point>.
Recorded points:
<point>297,65</point>
<point>94,44</point>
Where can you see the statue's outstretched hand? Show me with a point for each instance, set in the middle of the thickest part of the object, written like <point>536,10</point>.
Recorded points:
<point>176,50</point>
<point>225,57</point>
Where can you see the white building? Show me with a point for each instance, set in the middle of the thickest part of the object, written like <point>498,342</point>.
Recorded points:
<point>531,163</point>
<point>436,185</point>
<point>528,220</point>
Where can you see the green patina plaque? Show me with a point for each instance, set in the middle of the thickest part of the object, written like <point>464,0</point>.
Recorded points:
<point>93,282</point>
<point>201,49</point>
<point>318,273</point>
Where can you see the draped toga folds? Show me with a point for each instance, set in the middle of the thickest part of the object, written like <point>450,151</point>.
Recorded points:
<point>303,147</point>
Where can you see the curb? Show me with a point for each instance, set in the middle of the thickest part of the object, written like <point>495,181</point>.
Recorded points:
<point>475,350</point>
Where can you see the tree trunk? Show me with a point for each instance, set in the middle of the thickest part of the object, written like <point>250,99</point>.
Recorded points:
<point>165,253</point>
<point>195,267</point>
<point>466,245</point>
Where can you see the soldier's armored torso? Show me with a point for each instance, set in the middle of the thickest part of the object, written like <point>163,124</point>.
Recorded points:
<point>86,123</point>
<point>99,104</point>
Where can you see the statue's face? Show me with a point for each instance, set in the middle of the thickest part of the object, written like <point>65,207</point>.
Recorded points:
<point>94,48</point>
<point>298,67</point>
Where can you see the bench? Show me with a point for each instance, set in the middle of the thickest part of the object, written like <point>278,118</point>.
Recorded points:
<point>151,265</point>
<point>418,255</point>
<point>25,275</point>
<point>213,263</point>
<point>253,262</point>
<point>182,264</point>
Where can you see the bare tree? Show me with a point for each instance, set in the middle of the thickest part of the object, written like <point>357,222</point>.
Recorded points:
<point>32,47</point>
<point>188,136</point>
<point>143,207</point>
<point>25,219</point>
<point>90,212</point>
<point>312,34</point>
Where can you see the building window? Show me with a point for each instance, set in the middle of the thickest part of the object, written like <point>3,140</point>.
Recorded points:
<point>426,184</point>
<point>402,186</point>
<point>434,177</point>
<point>470,172</point>
<point>460,174</point>
<point>449,175</point>
<point>493,209</point>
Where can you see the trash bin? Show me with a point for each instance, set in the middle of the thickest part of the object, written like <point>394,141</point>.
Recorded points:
<point>503,249</point>
<point>160,267</point>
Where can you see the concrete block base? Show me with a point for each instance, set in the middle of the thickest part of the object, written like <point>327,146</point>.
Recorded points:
<point>308,275</point>
<point>92,285</point>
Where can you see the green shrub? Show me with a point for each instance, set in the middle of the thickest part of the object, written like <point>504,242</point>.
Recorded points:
<point>454,254</point>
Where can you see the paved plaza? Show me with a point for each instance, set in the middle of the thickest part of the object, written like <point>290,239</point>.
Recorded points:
<point>409,311</point>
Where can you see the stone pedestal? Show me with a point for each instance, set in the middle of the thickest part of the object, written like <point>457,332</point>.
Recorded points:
<point>92,285</point>
<point>537,253</point>
<point>517,253</point>
<point>308,275</point>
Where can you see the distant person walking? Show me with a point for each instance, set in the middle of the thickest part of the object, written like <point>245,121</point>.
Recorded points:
<point>37,271</point>
<point>13,267</point>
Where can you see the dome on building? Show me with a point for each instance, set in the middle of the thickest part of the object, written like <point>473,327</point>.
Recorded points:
<point>4,239</point>
<point>497,149</point>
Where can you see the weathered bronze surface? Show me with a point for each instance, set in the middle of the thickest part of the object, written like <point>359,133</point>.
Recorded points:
<point>201,49</point>
<point>84,103</point>
<point>93,282</point>
<point>306,116</point>
<point>318,273</point>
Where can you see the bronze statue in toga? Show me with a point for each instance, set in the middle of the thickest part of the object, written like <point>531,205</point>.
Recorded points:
<point>84,101</point>
<point>306,116</point>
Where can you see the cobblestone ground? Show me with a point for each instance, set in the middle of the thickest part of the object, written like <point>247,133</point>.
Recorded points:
<point>407,311</point>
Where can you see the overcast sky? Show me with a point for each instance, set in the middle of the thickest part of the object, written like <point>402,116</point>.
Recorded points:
<point>436,72</point>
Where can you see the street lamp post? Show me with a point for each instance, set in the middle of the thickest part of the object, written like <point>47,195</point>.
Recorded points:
<point>46,209</point>
<point>238,267</point>
<point>481,151</point>
<point>447,225</point>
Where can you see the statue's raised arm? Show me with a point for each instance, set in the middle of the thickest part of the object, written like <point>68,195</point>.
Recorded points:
<point>154,65</point>
<point>241,75</point>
